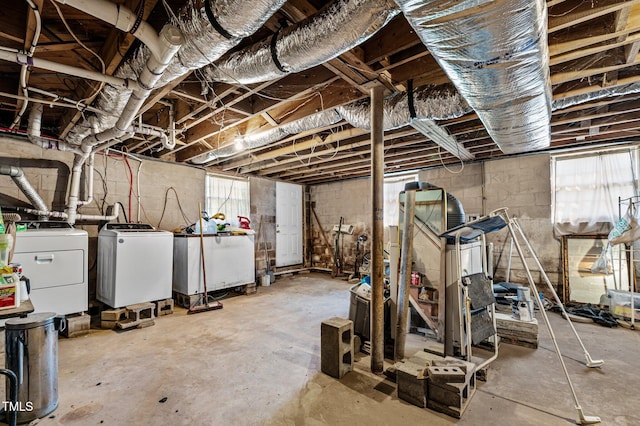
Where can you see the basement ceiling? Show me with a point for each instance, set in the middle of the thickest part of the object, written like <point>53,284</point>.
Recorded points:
<point>592,46</point>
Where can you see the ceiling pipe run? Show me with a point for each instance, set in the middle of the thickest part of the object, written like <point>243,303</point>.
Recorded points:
<point>209,28</point>
<point>170,40</point>
<point>496,54</point>
<point>337,28</point>
<point>24,67</point>
<point>35,137</point>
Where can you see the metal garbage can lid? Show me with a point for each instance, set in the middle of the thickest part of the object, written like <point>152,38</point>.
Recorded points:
<point>31,321</point>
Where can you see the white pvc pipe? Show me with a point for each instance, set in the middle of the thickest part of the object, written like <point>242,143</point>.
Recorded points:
<point>33,133</point>
<point>61,215</point>
<point>23,69</point>
<point>26,60</point>
<point>170,40</point>
<point>122,18</point>
<point>89,198</point>
<point>69,103</point>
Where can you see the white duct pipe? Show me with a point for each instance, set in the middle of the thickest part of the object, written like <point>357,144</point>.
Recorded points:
<point>210,28</point>
<point>89,198</point>
<point>26,60</point>
<point>123,19</point>
<point>170,39</point>
<point>23,69</point>
<point>18,177</point>
<point>34,135</point>
<point>61,215</point>
<point>496,54</point>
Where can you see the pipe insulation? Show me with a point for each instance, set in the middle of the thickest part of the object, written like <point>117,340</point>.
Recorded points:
<point>209,28</point>
<point>337,28</point>
<point>441,102</point>
<point>259,139</point>
<point>606,92</point>
<point>18,177</point>
<point>495,52</point>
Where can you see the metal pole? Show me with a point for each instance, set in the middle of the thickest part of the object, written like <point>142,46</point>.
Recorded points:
<point>377,226</point>
<point>405,273</point>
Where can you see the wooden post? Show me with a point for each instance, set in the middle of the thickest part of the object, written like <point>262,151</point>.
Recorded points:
<point>404,281</point>
<point>377,225</point>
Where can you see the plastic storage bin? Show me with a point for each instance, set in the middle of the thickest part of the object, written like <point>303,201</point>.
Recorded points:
<point>620,304</point>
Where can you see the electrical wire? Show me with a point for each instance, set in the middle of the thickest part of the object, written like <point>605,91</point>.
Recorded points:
<point>455,172</point>
<point>124,213</point>
<point>164,207</point>
<point>102,64</point>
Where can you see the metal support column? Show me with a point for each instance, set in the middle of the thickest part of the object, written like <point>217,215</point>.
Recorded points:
<point>377,225</point>
<point>406,259</point>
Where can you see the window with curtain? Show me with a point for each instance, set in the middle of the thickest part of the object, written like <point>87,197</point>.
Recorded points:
<point>227,195</point>
<point>586,188</point>
<point>392,188</point>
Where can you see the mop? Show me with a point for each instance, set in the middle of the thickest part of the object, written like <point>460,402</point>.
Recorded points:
<point>206,306</point>
<point>512,225</point>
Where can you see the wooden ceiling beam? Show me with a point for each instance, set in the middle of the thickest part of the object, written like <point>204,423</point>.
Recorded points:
<point>112,53</point>
<point>585,12</point>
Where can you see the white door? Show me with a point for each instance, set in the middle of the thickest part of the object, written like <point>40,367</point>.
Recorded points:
<point>288,224</point>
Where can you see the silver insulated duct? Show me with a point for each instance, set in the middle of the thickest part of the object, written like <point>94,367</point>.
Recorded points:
<point>259,139</point>
<point>496,54</point>
<point>210,28</point>
<point>429,102</point>
<point>338,27</point>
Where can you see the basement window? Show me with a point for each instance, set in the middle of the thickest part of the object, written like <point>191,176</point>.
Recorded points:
<point>227,195</point>
<point>392,188</point>
<point>586,188</point>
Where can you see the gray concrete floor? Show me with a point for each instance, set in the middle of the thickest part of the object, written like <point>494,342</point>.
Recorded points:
<point>257,362</point>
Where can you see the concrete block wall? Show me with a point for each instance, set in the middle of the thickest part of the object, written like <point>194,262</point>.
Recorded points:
<point>349,199</point>
<point>48,171</point>
<point>521,184</point>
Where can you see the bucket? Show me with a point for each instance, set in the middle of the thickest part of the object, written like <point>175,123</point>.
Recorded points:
<point>265,280</point>
<point>31,346</point>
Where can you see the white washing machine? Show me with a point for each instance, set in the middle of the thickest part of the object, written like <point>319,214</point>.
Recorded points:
<point>54,258</point>
<point>135,264</point>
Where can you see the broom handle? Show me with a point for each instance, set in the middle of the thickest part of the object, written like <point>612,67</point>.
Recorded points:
<point>204,269</point>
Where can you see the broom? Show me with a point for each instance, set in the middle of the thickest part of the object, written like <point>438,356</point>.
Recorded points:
<point>206,306</point>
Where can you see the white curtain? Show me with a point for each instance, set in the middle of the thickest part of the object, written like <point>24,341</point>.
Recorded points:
<point>229,196</point>
<point>392,189</point>
<point>586,189</point>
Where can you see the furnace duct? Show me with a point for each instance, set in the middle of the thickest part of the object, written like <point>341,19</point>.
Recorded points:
<point>339,27</point>
<point>256,140</point>
<point>210,28</point>
<point>496,54</point>
<point>18,177</point>
<point>569,101</point>
<point>428,102</point>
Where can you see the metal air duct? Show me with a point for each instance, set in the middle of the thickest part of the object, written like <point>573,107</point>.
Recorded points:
<point>427,103</point>
<point>210,28</point>
<point>496,54</point>
<point>441,102</point>
<point>18,177</point>
<point>338,27</point>
<point>256,140</point>
<point>606,92</point>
